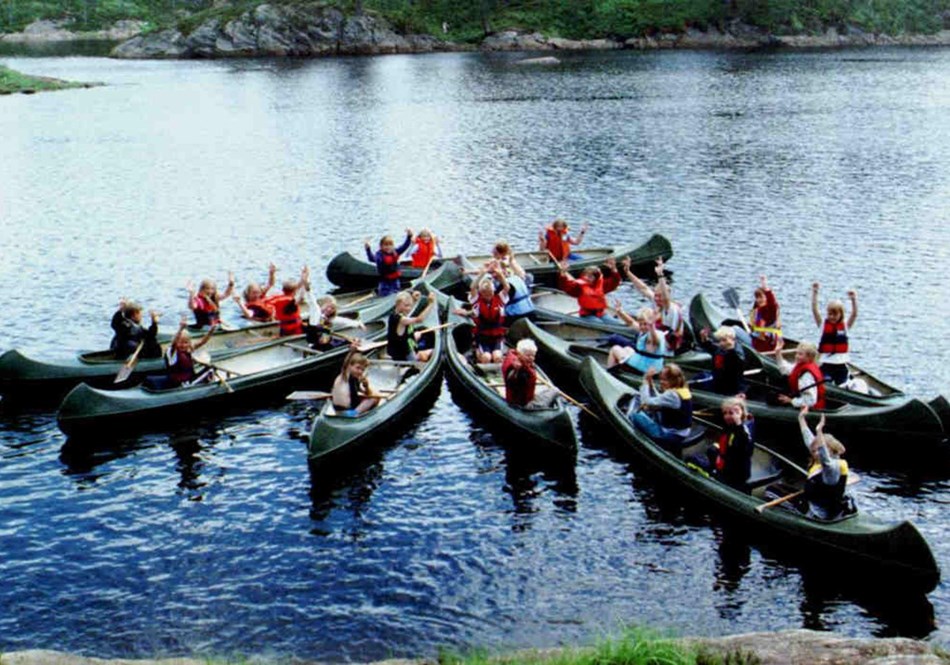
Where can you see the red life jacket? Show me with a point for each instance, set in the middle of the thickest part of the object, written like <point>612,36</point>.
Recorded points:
<point>518,391</point>
<point>183,369</point>
<point>722,445</point>
<point>425,250</point>
<point>811,368</point>
<point>388,266</point>
<point>206,311</point>
<point>287,314</point>
<point>557,243</point>
<point>489,317</point>
<point>592,300</point>
<point>834,338</point>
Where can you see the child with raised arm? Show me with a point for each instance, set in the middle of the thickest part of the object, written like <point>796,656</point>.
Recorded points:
<point>402,340</point>
<point>669,315</point>
<point>648,350</point>
<point>424,248</point>
<point>833,345</point>
<point>324,322</point>
<point>826,485</point>
<point>287,305</point>
<point>206,301</point>
<point>805,380</point>
<point>728,376</point>
<point>591,288</point>
<point>519,305</point>
<point>556,239</point>
<point>255,305</point>
<point>765,321</point>
<point>488,312</point>
<point>352,395</point>
<point>179,358</point>
<point>387,262</point>
<point>665,415</point>
<point>129,332</point>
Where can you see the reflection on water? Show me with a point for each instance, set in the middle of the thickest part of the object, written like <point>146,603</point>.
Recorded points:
<point>215,536</point>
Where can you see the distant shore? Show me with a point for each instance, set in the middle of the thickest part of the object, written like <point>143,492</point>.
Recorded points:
<point>13,82</point>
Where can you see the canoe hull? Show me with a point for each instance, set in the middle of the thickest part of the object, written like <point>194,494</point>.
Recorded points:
<point>858,544</point>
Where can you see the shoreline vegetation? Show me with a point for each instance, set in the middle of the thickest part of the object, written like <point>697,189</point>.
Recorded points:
<point>632,647</point>
<point>12,82</point>
<point>249,28</point>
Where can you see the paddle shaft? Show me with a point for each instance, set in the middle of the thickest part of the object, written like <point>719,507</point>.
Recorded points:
<point>788,497</point>
<point>428,263</point>
<point>358,300</point>
<point>570,399</point>
<point>129,365</point>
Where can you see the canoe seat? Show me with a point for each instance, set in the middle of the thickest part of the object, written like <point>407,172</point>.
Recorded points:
<point>696,434</point>
<point>762,478</point>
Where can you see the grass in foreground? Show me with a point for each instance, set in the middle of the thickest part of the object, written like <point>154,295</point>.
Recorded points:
<point>12,81</point>
<point>634,647</point>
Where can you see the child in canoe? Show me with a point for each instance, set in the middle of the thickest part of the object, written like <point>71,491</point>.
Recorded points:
<point>255,305</point>
<point>669,315</point>
<point>648,350</point>
<point>591,288</point>
<point>488,312</point>
<point>179,358</point>
<point>424,248</point>
<point>806,383</point>
<point>352,395</point>
<point>765,321</point>
<point>324,322</point>
<point>664,414</point>
<point>521,378</point>
<point>402,340</point>
<point>727,377</point>
<point>129,332</point>
<point>286,306</point>
<point>827,481</point>
<point>833,345</point>
<point>519,305</point>
<point>556,239</point>
<point>387,262</point>
<point>206,301</point>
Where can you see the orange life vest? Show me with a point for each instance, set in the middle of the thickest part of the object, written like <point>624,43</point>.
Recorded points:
<point>592,300</point>
<point>288,315</point>
<point>489,317</point>
<point>425,250</point>
<point>812,369</point>
<point>557,243</point>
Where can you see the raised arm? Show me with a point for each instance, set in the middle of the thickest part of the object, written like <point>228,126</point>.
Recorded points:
<point>807,437</point>
<point>370,256</point>
<point>500,275</point>
<point>626,318</point>
<point>405,243</point>
<point>230,290</point>
<point>271,279</point>
<point>638,283</point>
<point>190,288</point>
<point>207,336</point>
<point>815,310</point>
<point>853,297</point>
<point>580,236</point>
<point>413,320</point>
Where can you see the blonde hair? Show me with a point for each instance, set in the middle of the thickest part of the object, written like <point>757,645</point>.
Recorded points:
<point>809,349</point>
<point>837,307</point>
<point>403,297</point>
<point>735,401</point>
<point>559,223</point>
<point>386,240</point>
<point>646,314</point>
<point>357,359</point>
<point>323,301</point>
<point>834,446</point>
<point>289,286</point>
<point>725,332</point>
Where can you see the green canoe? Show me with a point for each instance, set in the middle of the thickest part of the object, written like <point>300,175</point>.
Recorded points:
<point>869,430</point>
<point>352,272</point>
<point>335,437</point>
<point>266,371</point>
<point>481,387</point>
<point>858,544</point>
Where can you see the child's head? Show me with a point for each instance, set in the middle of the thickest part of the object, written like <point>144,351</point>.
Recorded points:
<point>559,225</point>
<point>760,299</point>
<point>404,302</point>
<point>387,244</point>
<point>661,296</point>
<point>183,342</point>
<point>425,234</point>
<point>671,376</point>
<point>208,287</point>
<point>734,411</point>
<point>356,365</point>
<point>725,337</point>
<point>835,311</point>
<point>501,250</point>
<point>591,273</point>
<point>253,292</point>
<point>289,286</point>
<point>834,446</point>
<point>327,305</point>
<point>806,352</point>
<point>646,318</point>
<point>133,311</point>
<point>527,349</point>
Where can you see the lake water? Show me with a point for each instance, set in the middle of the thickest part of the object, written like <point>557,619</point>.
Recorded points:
<point>214,538</point>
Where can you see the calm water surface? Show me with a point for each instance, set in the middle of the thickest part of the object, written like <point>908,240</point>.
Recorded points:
<point>215,538</point>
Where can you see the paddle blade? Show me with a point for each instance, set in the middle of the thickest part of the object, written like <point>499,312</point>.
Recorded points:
<point>124,373</point>
<point>308,395</point>
<point>731,297</point>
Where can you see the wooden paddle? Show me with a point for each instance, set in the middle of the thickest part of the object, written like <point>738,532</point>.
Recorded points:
<point>732,299</point>
<point>126,370</point>
<point>853,479</point>
<point>358,300</point>
<point>220,377</point>
<point>583,407</point>
<point>309,395</point>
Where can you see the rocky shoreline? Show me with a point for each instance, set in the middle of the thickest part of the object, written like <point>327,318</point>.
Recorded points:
<point>315,31</point>
<point>791,647</point>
